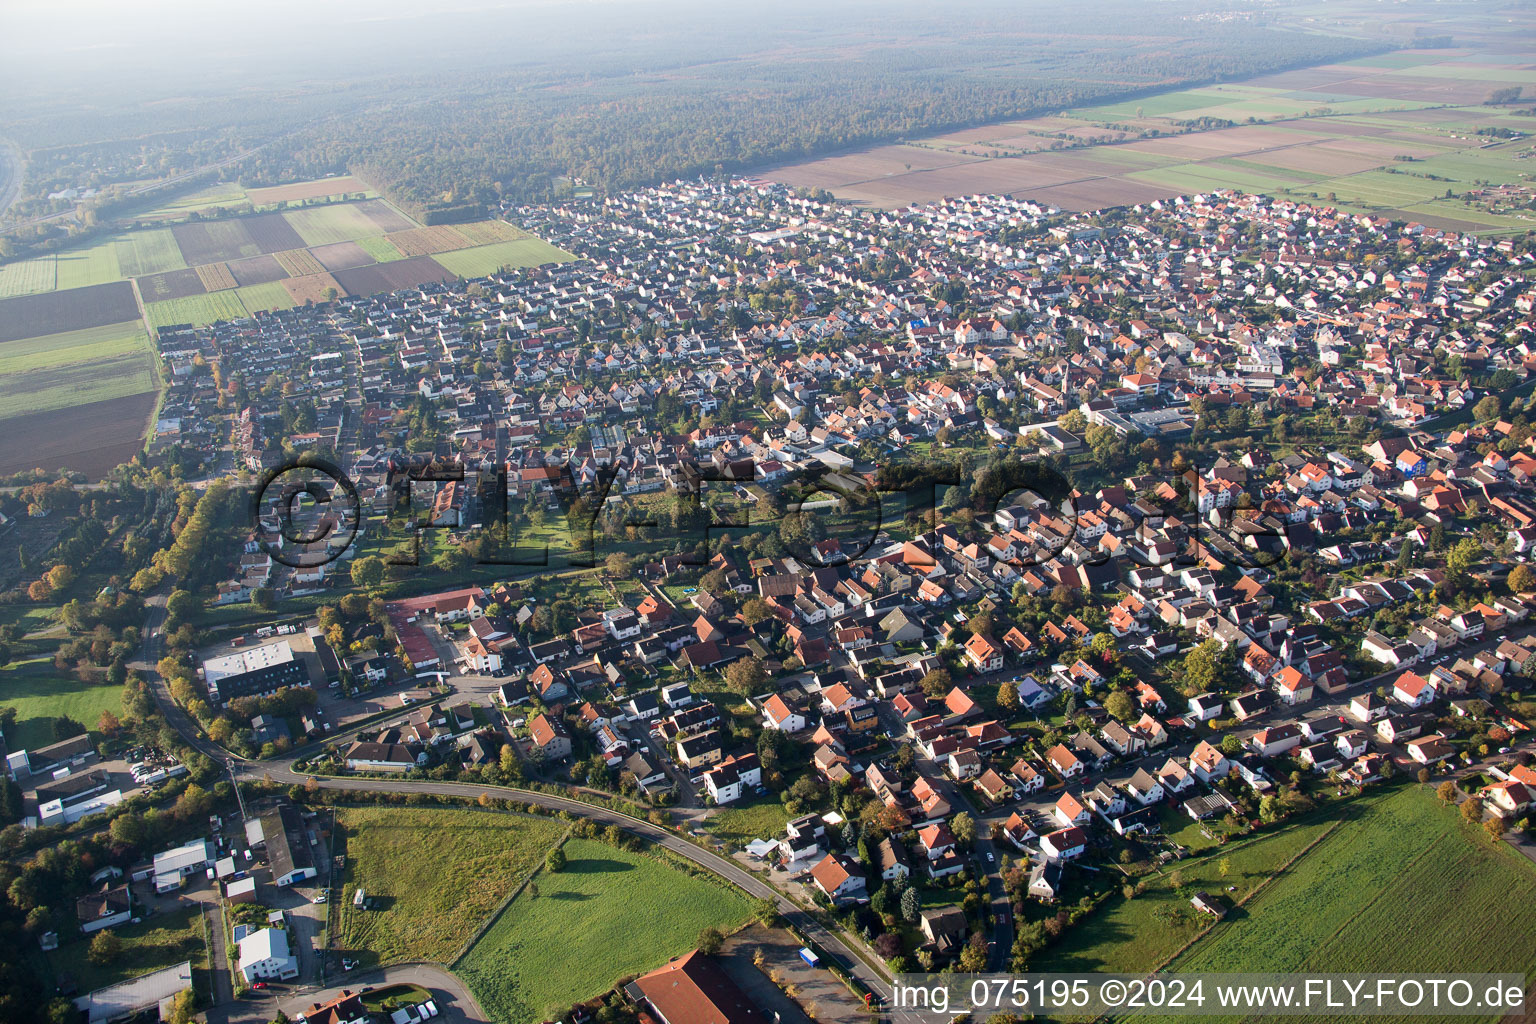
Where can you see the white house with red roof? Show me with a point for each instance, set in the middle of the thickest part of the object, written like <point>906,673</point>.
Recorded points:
<point>840,879</point>
<point>1413,690</point>
<point>777,714</point>
<point>1064,844</point>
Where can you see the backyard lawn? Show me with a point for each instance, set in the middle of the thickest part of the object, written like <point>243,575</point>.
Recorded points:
<point>762,817</point>
<point>434,874</point>
<point>573,934</point>
<point>39,696</point>
<point>161,941</point>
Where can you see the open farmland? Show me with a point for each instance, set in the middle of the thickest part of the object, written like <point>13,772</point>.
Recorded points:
<point>1139,934</point>
<point>92,343</point>
<point>257,270</point>
<point>148,252</point>
<point>487,259</point>
<point>384,277</point>
<point>299,263</point>
<point>311,287</point>
<point>322,225</point>
<point>197,272</point>
<point>426,241</point>
<point>216,276</point>
<point>1408,860</point>
<point>195,309</point>
<point>386,216</point>
<point>27,277</point>
<point>62,385</point>
<point>272,232</point>
<point>82,268</point>
<point>269,295</point>
<point>29,316</point>
<point>636,912</point>
<point>91,437</point>
<point>380,248</point>
<point>1390,136</point>
<point>319,189</point>
<point>432,894</point>
<point>173,284</point>
<point>341,256</point>
<point>210,241</point>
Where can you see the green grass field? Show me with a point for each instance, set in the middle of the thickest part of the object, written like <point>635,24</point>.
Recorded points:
<point>271,295</point>
<point>607,915</point>
<point>380,248</point>
<point>196,309</point>
<point>148,252</point>
<point>57,385</point>
<point>322,225</point>
<point>221,194</point>
<point>73,346</point>
<point>1407,869</point>
<point>487,259</point>
<point>27,277</point>
<point>438,873</point>
<point>1136,934</point>
<point>749,819</point>
<point>78,268</point>
<point>155,943</point>
<point>39,696</point>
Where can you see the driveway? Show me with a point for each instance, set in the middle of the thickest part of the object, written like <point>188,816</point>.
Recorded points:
<point>455,1002</point>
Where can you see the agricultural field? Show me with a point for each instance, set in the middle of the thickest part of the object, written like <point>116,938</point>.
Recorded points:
<point>187,260</point>
<point>432,894</point>
<point>636,912</point>
<point>1407,862</point>
<point>303,248</point>
<point>483,260</point>
<point>91,437</point>
<point>28,277</point>
<point>155,943</point>
<point>322,225</point>
<point>1389,135</point>
<point>195,309</point>
<point>271,295</point>
<point>40,695</point>
<point>72,397</point>
<point>148,252</point>
<point>216,277</point>
<point>29,316</point>
<point>1140,933</point>
<point>319,189</point>
<point>107,342</point>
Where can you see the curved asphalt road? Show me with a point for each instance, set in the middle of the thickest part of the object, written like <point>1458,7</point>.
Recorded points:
<point>282,771</point>
<point>460,1004</point>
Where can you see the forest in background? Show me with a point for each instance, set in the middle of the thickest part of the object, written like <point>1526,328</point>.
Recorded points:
<point>645,92</point>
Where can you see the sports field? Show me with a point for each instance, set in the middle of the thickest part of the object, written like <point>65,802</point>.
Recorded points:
<point>612,912</point>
